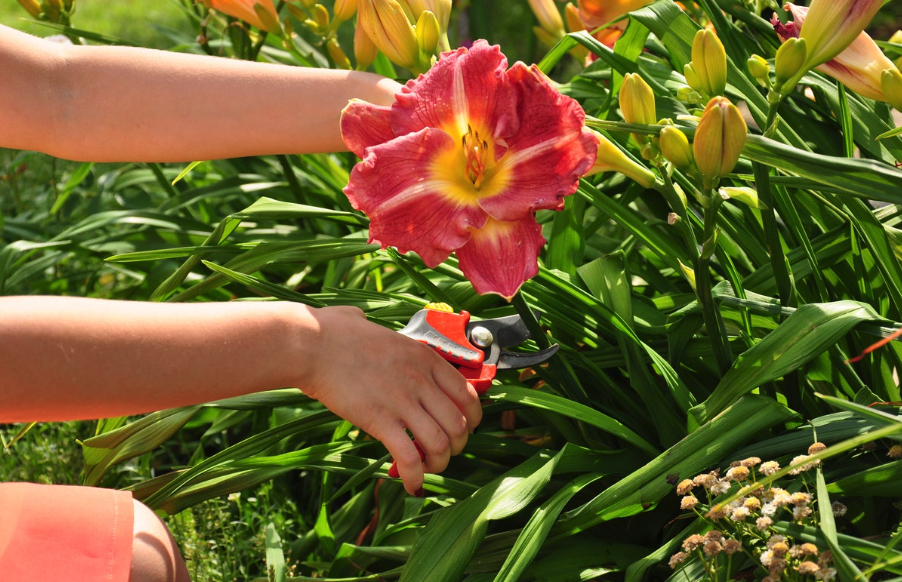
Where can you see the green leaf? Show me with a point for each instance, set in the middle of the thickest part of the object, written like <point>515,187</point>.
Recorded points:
<point>275,558</point>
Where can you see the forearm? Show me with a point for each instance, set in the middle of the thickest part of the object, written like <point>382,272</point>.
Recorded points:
<point>131,104</point>
<point>68,358</point>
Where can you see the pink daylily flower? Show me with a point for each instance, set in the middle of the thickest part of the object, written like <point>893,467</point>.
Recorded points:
<point>858,66</point>
<point>463,159</point>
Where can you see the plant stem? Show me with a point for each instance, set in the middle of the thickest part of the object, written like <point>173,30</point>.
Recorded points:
<point>713,322</point>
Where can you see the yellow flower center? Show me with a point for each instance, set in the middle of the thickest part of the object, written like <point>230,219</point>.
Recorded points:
<point>470,172</point>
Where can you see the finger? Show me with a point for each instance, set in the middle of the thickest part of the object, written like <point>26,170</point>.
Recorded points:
<point>460,392</point>
<point>407,459</point>
<point>451,420</point>
<point>431,439</point>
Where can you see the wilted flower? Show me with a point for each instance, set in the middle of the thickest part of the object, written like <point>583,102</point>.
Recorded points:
<point>677,559</point>
<point>800,466</point>
<point>807,568</point>
<point>463,159</point>
<point>260,14</point>
<point>693,542</point>
<point>739,473</point>
<point>730,547</point>
<point>858,65</point>
<point>750,462</point>
<point>816,448</point>
<point>826,574</point>
<point>713,548</point>
<point>713,535</point>
<point>685,486</point>
<point>688,502</point>
<point>895,452</point>
<point>838,508</point>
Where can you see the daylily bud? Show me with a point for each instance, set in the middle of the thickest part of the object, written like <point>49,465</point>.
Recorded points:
<point>548,16</point>
<point>637,100</point>
<point>896,38</point>
<point>745,195</point>
<point>308,4</point>
<point>675,146</point>
<point>759,69</point>
<point>386,23</point>
<point>789,63</point>
<point>575,24</point>
<point>544,36</point>
<point>709,61</point>
<point>268,18</point>
<point>428,33</point>
<point>611,158</point>
<point>338,56</point>
<point>441,9</point>
<point>343,10</point>
<point>364,50</point>
<point>891,84</point>
<point>831,25</point>
<point>688,95</point>
<point>692,78</point>
<point>32,6</point>
<point>321,16</point>
<point>719,140</point>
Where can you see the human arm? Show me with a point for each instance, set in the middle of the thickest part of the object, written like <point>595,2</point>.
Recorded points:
<point>64,358</point>
<point>114,104</point>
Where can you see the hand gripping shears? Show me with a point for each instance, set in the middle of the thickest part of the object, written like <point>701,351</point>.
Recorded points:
<point>475,348</point>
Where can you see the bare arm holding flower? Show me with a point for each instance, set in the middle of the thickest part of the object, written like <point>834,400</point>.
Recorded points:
<point>111,104</point>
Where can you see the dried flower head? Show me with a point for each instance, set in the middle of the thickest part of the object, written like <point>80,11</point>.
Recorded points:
<point>769,467</point>
<point>677,559</point>
<point>776,567</point>
<point>730,547</point>
<point>800,466</point>
<point>722,486</point>
<point>713,548</point>
<point>816,448</point>
<point>693,542</point>
<point>739,473</point>
<point>762,523</point>
<point>750,462</point>
<point>800,498</point>
<point>825,558</point>
<point>685,486</point>
<point>807,549</point>
<point>717,512</point>
<point>707,480</point>
<point>838,508</point>
<point>800,512</point>
<point>739,513</point>
<point>688,502</point>
<point>713,536</point>
<point>826,574</point>
<point>807,568</point>
<point>780,549</point>
<point>895,452</point>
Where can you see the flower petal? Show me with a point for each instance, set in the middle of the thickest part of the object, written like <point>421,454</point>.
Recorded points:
<point>502,255</point>
<point>548,154</point>
<point>364,125</point>
<point>464,87</point>
<point>408,207</point>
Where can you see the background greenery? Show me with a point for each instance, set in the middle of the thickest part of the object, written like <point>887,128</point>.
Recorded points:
<point>571,475</point>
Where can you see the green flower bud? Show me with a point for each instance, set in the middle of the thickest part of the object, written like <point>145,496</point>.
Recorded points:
<point>743,194</point>
<point>719,140</point>
<point>321,16</point>
<point>891,85</point>
<point>759,69</point>
<point>709,61</point>
<point>428,33</point>
<point>789,63</point>
<point>692,78</point>
<point>675,147</point>
<point>611,158</point>
<point>338,56</point>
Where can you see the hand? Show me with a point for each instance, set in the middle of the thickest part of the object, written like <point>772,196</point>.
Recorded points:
<point>384,383</point>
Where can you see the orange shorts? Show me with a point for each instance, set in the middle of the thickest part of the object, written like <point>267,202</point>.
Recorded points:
<point>54,533</point>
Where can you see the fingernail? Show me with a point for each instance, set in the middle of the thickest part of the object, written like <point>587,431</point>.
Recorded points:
<point>420,493</point>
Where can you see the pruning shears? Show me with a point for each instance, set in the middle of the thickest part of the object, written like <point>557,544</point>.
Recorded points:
<point>475,348</point>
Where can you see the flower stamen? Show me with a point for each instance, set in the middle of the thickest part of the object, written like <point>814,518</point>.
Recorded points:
<point>475,151</point>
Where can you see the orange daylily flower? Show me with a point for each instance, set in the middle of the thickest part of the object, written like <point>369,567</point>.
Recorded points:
<point>245,10</point>
<point>595,13</point>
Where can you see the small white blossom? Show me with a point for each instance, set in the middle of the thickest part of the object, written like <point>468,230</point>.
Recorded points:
<point>768,509</point>
<point>721,486</point>
<point>767,557</point>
